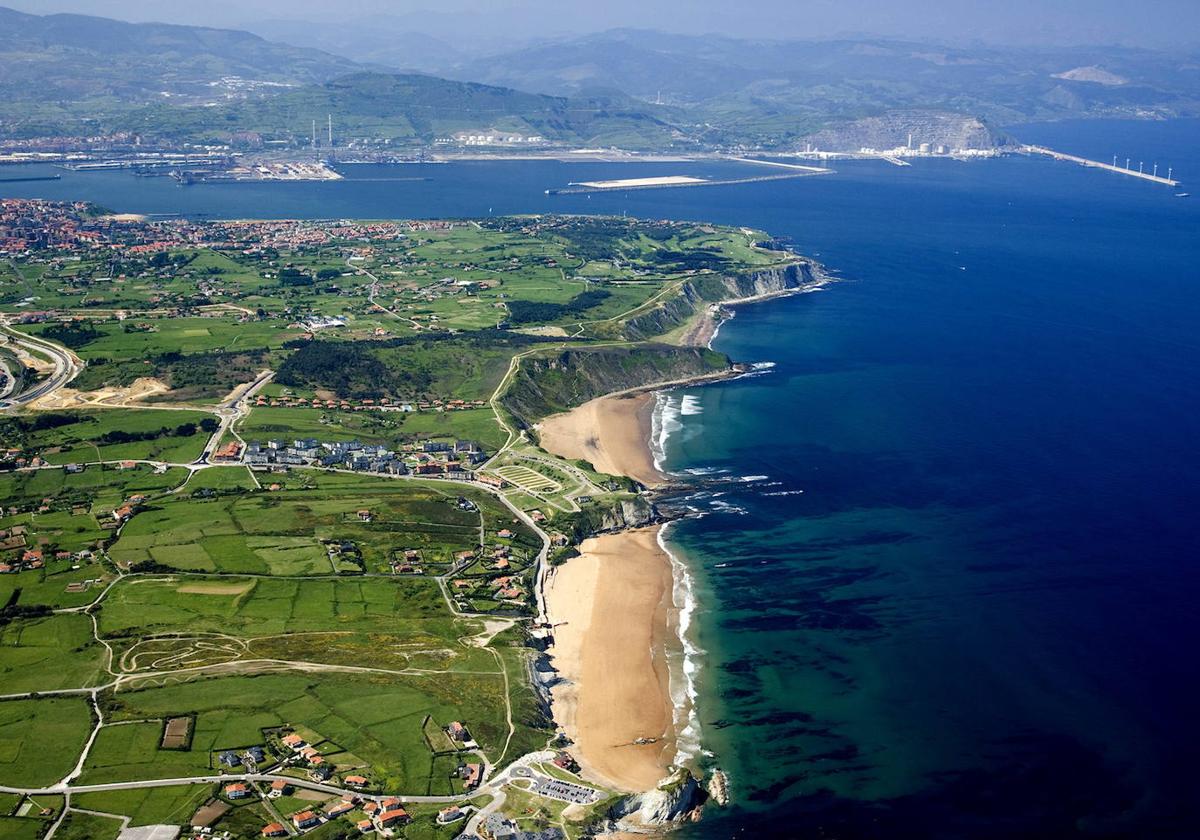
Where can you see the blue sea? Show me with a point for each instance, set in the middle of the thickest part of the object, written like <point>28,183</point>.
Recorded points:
<point>944,551</point>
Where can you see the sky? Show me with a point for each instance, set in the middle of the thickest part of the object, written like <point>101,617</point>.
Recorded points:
<point>504,23</point>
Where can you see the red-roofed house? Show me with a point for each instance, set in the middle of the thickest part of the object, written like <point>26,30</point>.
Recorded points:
<point>395,816</point>
<point>306,819</point>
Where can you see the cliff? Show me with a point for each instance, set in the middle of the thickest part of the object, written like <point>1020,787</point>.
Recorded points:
<point>708,289</point>
<point>599,518</point>
<point>672,802</point>
<point>544,385</point>
<point>891,130</point>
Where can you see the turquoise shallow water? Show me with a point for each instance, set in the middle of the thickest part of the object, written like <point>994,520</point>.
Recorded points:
<point>957,596</point>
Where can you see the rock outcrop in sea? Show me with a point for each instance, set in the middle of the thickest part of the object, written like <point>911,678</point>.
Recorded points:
<point>676,800</point>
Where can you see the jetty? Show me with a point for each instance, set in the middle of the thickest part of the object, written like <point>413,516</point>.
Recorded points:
<point>678,182</point>
<point>24,178</point>
<point>1111,167</point>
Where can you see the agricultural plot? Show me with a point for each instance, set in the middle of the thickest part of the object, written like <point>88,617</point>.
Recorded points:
<point>21,828</point>
<point>385,428</point>
<point>40,740</point>
<point>45,654</point>
<point>131,751</point>
<point>365,718</point>
<point>57,586</point>
<point>97,488</point>
<point>140,338</point>
<point>221,479</point>
<point>388,651</point>
<point>79,826</point>
<point>148,806</point>
<point>116,434</point>
<point>528,479</point>
<point>250,607</point>
<point>305,533</point>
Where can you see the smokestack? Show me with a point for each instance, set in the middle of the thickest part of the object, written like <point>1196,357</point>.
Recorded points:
<point>330,130</point>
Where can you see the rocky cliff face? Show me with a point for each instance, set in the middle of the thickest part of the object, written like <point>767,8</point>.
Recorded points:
<point>669,804</point>
<point>715,289</point>
<point>547,384</point>
<point>891,130</point>
<point>621,515</point>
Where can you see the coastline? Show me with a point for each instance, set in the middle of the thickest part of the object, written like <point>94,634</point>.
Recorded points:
<point>611,433</point>
<point>704,327</point>
<point>615,627</point>
<point>621,611</point>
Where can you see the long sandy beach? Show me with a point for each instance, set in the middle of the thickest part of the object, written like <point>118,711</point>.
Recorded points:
<point>614,621</point>
<point>611,433</point>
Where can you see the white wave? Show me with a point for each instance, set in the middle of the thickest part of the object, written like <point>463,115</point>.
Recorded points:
<point>750,478</point>
<point>690,405</point>
<point>728,507</point>
<point>663,423</point>
<point>720,323</point>
<point>704,471</point>
<point>784,493</point>
<point>763,365</point>
<point>682,682</point>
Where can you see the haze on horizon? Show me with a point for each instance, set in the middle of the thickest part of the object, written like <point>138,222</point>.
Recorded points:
<point>501,24</point>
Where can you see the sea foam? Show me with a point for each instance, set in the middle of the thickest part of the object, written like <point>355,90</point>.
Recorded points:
<point>684,669</point>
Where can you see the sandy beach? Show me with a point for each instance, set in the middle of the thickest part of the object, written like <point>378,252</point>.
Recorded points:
<point>614,619</point>
<point>610,433</point>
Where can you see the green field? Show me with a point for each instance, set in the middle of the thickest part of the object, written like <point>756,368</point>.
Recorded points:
<point>124,341</point>
<point>44,654</point>
<point>40,740</point>
<point>100,488</point>
<point>130,751</point>
<point>88,436</point>
<point>248,607</point>
<point>281,533</point>
<point>308,599</point>
<point>372,719</point>
<point>389,429</point>
<point>148,806</point>
<point>78,826</point>
<point>21,828</point>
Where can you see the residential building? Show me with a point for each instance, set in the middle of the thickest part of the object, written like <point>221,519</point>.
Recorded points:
<point>306,819</point>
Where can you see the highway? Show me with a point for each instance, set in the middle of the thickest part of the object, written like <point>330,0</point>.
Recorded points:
<point>66,366</point>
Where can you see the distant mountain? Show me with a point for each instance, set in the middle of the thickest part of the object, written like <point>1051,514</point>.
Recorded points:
<point>76,57</point>
<point>77,75</point>
<point>775,91</point>
<point>81,76</point>
<point>410,107</point>
<point>383,40</point>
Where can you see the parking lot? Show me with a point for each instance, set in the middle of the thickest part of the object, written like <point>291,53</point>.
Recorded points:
<point>564,791</point>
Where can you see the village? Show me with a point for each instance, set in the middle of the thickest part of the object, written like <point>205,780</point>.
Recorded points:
<point>427,458</point>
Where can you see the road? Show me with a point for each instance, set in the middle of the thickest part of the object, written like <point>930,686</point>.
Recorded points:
<point>66,366</point>
<point>231,411</point>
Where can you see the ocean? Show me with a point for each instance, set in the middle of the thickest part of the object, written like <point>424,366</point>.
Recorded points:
<point>943,556</point>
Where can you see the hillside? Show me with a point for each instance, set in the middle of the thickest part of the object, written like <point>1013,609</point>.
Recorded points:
<point>78,76</point>
<point>74,75</point>
<point>778,92</point>
<point>76,56</point>
<point>408,108</point>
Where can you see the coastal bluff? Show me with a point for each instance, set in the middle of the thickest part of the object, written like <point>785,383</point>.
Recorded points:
<point>702,292</point>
